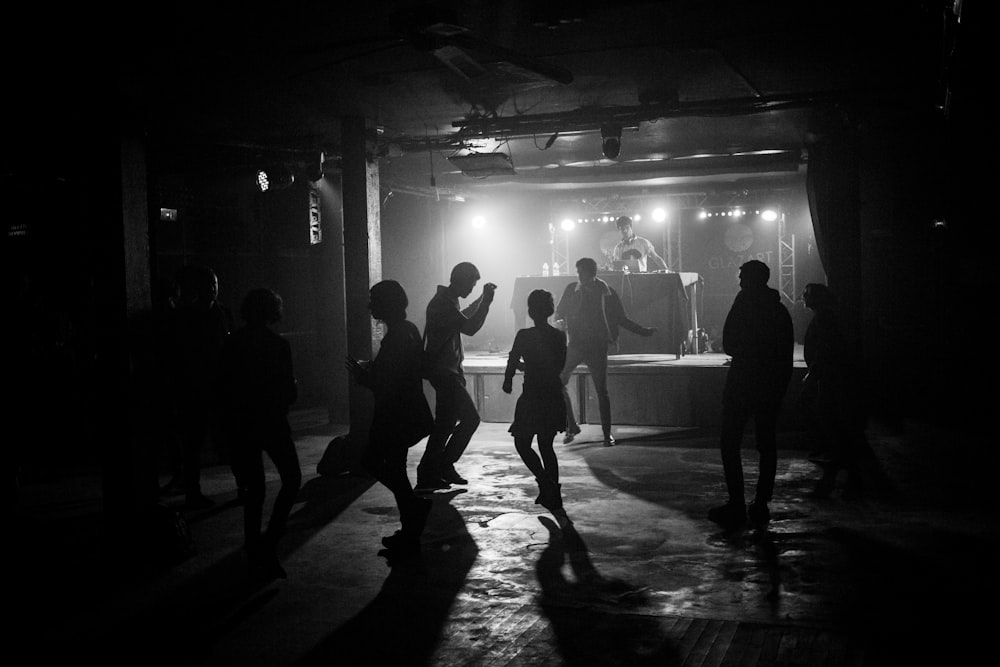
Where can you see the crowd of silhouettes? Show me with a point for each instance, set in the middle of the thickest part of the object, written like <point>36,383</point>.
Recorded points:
<point>240,385</point>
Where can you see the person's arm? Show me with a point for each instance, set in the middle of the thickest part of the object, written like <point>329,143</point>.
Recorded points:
<point>562,309</point>
<point>561,353</point>
<point>734,328</point>
<point>475,314</point>
<point>617,312</point>
<point>513,363</point>
<point>651,255</point>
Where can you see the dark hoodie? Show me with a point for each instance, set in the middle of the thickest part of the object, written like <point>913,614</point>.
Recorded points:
<point>758,335</point>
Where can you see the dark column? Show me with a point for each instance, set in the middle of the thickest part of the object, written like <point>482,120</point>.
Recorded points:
<point>123,304</point>
<point>362,259</point>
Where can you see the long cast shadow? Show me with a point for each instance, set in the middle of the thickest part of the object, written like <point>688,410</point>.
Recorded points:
<point>596,620</point>
<point>402,625</point>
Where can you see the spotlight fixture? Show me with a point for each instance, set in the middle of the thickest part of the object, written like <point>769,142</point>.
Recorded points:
<point>274,177</point>
<point>611,140</point>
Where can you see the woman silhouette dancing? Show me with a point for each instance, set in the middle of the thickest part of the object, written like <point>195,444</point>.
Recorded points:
<point>402,417</point>
<point>540,351</point>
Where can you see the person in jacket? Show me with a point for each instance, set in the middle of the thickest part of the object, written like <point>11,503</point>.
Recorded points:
<point>758,335</point>
<point>591,312</point>
<point>401,416</point>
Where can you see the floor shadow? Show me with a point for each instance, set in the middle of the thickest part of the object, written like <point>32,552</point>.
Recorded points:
<point>402,625</point>
<point>596,620</point>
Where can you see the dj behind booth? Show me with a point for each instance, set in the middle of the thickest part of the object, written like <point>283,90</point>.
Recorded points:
<point>661,298</point>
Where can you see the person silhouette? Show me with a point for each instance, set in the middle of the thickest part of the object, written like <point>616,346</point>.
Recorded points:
<point>198,329</point>
<point>831,390</point>
<point>259,385</point>
<point>759,337</point>
<point>592,312</point>
<point>455,416</point>
<point>540,351</point>
<point>401,417</point>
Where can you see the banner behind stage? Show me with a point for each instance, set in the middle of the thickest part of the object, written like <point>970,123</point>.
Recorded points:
<point>715,248</point>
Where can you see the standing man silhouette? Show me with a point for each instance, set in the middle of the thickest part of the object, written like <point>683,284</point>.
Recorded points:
<point>455,414</point>
<point>758,335</point>
<point>592,313</point>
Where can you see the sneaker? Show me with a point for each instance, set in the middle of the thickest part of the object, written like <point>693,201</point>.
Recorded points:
<point>570,435</point>
<point>401,545</point>
<point>758,513</point>
<point>451,476</point>
<point>430,485</point>
<point>729,515</point>
<point>609,440</point>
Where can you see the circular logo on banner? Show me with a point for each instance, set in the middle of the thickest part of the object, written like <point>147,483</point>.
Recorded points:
<point>738,238</point>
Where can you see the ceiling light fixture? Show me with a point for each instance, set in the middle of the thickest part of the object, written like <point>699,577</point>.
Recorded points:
<point>611,140</point>
<point>274,177</point>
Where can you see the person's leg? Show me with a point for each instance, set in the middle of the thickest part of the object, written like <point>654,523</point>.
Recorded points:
<point>574,356</point>
<point>522,443</point>
<point>597,364</point>
<point>766,430</point>
<point>734,420</point>
<point>468,422</point>
<point>286,459</point>
<point>194,432</point>
<point>248,468</point>
<point>445,418</point>
<point>735,417</point>
<point>413,510</point>
<point>549,460</point>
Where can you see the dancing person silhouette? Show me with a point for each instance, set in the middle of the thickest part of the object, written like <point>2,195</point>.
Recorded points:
<point>401,417</point>
<point>591,312</point>
<point>455,415</point>
<point>258,387</point>
<point>540,351</point>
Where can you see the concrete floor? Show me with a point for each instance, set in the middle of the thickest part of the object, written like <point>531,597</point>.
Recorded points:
<point>640,576</point>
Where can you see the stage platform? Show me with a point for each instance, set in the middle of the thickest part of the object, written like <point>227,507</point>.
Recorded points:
<point>646,389</point>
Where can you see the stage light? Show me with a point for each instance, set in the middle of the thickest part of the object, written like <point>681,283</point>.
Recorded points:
<point>659,215</point>
<point>611,140</point>
<point>738,213</point>
<point>636,218</point>
<point>568,224</point>
<point>479,222</point>
<point>702,215</point>
<point>769,215</point>
<point>274,177</point>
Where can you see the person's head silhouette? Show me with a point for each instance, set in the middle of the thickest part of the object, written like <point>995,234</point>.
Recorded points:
<point>464,277</point>
<point>754,273</point>
<point>387,301</point>
<point>262,307</point>
<point>540,305</point>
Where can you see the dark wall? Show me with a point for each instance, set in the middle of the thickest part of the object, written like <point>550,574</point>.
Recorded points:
<point>256,239</point>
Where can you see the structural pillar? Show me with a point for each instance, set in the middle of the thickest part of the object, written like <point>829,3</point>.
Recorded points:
<point>362,262</point>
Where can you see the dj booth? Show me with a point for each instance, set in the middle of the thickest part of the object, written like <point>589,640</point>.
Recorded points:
<point>667,301</point>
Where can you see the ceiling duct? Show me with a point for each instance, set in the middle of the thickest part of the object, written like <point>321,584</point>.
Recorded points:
<point>483,164</point>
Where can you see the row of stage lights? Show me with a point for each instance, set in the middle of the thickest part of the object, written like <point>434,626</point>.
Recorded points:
<point>659,215</point>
